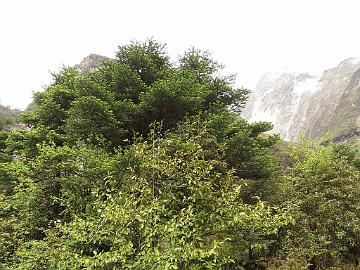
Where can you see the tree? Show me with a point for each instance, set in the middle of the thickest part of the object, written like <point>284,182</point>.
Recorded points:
<point>127,94</point>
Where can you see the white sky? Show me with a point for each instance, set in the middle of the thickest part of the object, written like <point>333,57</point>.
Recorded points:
<point>249,36</point>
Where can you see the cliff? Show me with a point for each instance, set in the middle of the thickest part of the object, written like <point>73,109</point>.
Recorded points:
<point>300,104</point>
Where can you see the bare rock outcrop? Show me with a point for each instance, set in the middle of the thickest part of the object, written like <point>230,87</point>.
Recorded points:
<point>91,63</point>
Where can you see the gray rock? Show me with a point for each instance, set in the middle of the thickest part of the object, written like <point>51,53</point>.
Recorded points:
<point>305,105</point>
<point>91,63</point>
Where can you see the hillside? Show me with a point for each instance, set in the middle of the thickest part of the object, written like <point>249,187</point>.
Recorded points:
<point>344,122</point>
<point>7,117</point>
<point>309,105</point>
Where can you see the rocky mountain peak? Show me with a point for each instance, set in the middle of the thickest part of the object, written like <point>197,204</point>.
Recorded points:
<point>91,63</point>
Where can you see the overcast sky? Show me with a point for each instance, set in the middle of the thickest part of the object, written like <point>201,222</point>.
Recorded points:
<point>249,36</point>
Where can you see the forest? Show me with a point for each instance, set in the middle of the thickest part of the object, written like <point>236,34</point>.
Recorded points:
<point>145,163</point>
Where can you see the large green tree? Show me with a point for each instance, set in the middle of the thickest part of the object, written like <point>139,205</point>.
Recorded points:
<point>125,95</point>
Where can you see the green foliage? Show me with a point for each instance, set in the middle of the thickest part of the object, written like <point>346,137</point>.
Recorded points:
<point>350,154</point>
<point>166,203</point>
<point>147,59</point>
<point>323,189</point>
<point>143,164</point>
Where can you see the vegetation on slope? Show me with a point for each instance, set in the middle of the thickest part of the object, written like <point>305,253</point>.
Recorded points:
<point>141,165</point>
<point>7,117</point>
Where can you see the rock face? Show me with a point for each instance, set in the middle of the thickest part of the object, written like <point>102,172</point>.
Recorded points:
<point>344,122</point>
<point>91,63</point>
<point>308,105</point>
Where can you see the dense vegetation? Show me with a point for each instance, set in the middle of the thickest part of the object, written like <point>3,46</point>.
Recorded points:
<point>144,164</point>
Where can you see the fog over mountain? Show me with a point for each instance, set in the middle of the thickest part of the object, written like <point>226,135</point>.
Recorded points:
<point>303,104</point>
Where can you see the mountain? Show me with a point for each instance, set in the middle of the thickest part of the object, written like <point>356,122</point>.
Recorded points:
<point>7,117</point>
<point>91,63</point>
<point>302,104</point>
<point>344,123</point>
